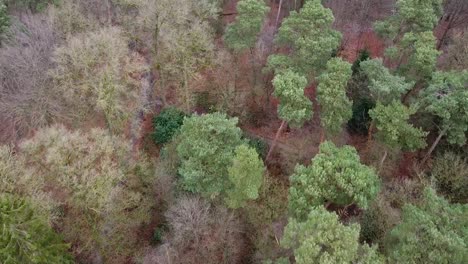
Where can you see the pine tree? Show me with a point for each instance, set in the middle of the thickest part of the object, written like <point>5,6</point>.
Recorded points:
<point>447,98</point>
<point>294,108</point>
<point>206,149</point>
<point>321,238</point>
<point>26,236</point>
<point>335,175</point>
<point>242,34</point>
<point>245,175</point>
<point>310,35</point>
<point>432,232</point>
<point>335,107</point>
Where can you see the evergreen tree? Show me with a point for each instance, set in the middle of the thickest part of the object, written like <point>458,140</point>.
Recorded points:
<point>336,176</point>
<point>242,34</point>
<point>394,129</point>
<point>384,87</point>
<point>294,108</point>
<point>335,107</point>
<point>246,176</point>
<point>310,35</point>
<point>26,236</point>
<point>206,149</point>
<point>432,232</point>
<point>321,238</point>
<point>447,98</point>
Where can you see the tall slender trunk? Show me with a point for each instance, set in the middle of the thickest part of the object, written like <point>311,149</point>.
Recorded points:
<point>322,135</point>
<point>279,11</point>
<point>382,161</point>
<point>434,145</point>
<point>278,133</point>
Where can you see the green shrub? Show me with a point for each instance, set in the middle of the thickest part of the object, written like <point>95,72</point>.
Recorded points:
<point>25,235</point>
<point>450,173</point>
<point>166,124</point>
<point>259,145</point>
<point>359,122</point>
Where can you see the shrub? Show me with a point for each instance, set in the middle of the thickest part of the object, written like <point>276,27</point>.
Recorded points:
<point>360,120</point>
<point>25,235</point>
<point>259,145</point>
<point>167,124</point>
<point>450,172</point>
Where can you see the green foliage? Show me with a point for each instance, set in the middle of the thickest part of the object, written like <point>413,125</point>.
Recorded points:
<point>411,15</point>
<point>447,98</point>
<point>321,238</point>
<point>393,127</point>
<point>259,145</point>
<point>295,108</point>
<point>383,86</point>
<point>360,120</point>
<point>422,52</point>
<point>26,236</point>
<point>432,232</point>
<point>335,175</point>
<point>311,37</point>
<point>335,107</point>
<point>4,20</point>
<point>243,33</point>
<point>450,172</point>
<point>167,124</point>
<point>206,150</point>
<point>246,176</point>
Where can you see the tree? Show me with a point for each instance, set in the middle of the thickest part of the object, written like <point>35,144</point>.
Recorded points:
<point>26,236</point>
<point>335,176</point>
<point>246,176</point>
<point>335,107</point>
<point>432,232</point>
<point>167,124</point>
<point>447,98</point>
<point>295,108</point>
<point>410,16</point>
<point>93,72</point>
<point>383,86</point>
<point>321,238</point>
<point>206,149</point>
<point>393,127</point>
<point>420,49</point>
<point>242,34</point>
<point>311,37</point>
<point>108,195</point>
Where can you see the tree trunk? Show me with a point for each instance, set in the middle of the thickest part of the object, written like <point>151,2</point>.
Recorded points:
<point>434,145</point>
<point>382,161</point>
<point>278,133</point>
<point>279,11</point>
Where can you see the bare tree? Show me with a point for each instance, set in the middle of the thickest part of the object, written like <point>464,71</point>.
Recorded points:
<point>200,233</point>
<point>26,99</point>
<point>455,16</point>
